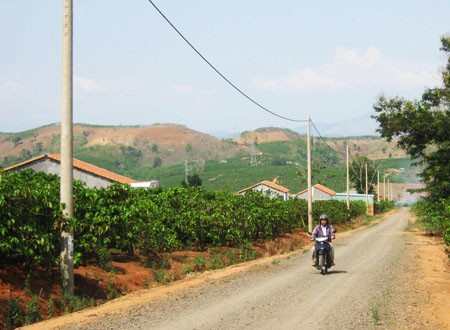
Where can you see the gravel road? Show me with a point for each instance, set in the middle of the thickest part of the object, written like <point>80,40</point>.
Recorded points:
<point>363,291</point>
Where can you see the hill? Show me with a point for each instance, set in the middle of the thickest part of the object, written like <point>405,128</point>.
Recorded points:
<point>117,146</point>
<point>167,152</point>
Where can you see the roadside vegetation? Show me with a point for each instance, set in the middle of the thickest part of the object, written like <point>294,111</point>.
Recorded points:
<point>134,221</point>
<point>421,127</point>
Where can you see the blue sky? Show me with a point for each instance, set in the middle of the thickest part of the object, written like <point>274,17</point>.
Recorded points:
<point>329,59</point>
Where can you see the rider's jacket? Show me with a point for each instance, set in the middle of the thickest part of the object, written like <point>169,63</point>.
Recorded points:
<point>317,232</point>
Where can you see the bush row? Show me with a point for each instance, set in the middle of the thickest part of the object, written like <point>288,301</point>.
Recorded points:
<point>127,220</point>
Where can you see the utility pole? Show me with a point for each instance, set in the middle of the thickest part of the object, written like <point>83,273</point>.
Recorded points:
<point>308,149</point>
<point>367,190</point>
<point>384,187</point>
<point>378,185</point>
<point>348,182</point>
<point>66,188</point>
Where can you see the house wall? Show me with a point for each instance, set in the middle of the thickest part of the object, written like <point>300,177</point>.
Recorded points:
<point>272,193</point>
<point>52,167</point>
<point>317,195</point>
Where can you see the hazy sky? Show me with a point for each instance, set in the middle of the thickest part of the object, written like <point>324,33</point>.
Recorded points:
<point>327,58</point>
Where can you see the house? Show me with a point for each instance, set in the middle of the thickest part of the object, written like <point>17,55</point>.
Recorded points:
<point>93,176</point>
<point>269,188</point>
<point>318,192</point>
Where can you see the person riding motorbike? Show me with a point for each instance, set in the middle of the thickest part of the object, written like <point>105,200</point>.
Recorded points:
<point>324,229</point>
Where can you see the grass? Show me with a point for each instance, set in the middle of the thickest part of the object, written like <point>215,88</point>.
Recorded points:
<point>160,276</point>
<point>375,315</point>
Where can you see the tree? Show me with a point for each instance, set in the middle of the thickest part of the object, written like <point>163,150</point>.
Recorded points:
<point>17,140</point>
<point>421,127</point>
<point>192,181</point>
<point>157,162</point>
<point>422,130</point>
<point>358,174</point>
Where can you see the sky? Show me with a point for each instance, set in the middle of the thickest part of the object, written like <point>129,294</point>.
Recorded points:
<point>327,59</point>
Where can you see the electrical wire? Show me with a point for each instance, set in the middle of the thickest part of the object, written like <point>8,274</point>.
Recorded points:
<point>323,138</point>
<point>219,73</point>
<point>237,88</point>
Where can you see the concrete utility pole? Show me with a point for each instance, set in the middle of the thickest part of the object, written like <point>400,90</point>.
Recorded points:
<point>348,181</point>
<point>384,187</point>
<point>66,189</point>
<point>378,185</point>
<point>308,149</point>
<point>367,190</point>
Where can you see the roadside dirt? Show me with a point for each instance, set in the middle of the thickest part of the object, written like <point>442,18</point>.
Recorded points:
<point>432,280</point>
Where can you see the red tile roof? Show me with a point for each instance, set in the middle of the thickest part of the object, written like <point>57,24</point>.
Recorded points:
<point>80,165</point>
<point>268,184</point>
<point>319,187</point>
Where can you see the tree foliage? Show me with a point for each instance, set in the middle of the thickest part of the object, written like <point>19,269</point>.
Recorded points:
<point>421,127</point>
<point>192,181</point>
<point>358,174</point>
<point>157,162</point>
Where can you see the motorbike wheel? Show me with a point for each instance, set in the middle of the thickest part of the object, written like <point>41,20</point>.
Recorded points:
<point>323,269</point>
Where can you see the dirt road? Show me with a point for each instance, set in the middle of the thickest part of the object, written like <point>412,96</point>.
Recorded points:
<point>364,290</point>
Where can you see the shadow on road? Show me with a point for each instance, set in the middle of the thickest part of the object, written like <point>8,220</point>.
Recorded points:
<point>333,272</point>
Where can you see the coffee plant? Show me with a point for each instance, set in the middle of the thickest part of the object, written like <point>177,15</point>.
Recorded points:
<point>122,219</point>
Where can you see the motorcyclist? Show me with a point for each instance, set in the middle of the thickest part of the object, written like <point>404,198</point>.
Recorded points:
<point>322,230</point>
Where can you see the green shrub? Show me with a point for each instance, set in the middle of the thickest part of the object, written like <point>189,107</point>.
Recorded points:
<point>435,216</point>
<point>383,206</point>
<point>33,315</point>
<point>136,221</point>
<point>15,315</point>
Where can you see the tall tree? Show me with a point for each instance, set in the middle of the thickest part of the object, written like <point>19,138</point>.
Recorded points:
<point>422,128</point>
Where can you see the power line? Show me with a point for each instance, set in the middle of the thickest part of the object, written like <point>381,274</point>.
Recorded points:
<point>218,72</point>
<point>323,138</point>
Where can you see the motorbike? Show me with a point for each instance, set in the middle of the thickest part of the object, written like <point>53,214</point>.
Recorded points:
<point>322,248</point>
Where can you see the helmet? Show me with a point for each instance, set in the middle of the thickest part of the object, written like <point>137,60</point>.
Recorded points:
<point>323,217</point>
